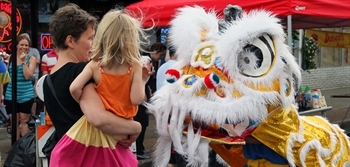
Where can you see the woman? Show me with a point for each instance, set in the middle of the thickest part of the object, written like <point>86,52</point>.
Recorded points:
<point>157,51</point>
<point>72,30</point>
<point>25,92</point>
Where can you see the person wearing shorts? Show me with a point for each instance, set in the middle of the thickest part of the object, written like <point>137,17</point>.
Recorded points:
<point>25,91</point>
<point>24,107</point>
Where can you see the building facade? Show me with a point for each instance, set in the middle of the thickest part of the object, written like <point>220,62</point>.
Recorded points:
<point>332,65</point>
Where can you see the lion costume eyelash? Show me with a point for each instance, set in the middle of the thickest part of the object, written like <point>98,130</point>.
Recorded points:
<point>233,79</point>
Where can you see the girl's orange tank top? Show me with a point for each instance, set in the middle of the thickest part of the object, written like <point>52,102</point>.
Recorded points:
<point>114,90</point>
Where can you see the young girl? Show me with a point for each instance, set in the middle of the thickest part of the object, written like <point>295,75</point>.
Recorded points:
<point>116,65</point>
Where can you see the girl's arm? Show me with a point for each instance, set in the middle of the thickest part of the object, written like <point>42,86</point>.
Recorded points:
<point>28,69</point>
<point>137,92</point>
<point>76,87</point>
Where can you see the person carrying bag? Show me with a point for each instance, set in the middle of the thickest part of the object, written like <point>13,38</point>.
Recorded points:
<point>91,142</point>
<point>53,139</point>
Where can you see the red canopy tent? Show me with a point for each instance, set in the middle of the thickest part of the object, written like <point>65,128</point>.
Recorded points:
<point>304,14</point>
<point>295,14</point>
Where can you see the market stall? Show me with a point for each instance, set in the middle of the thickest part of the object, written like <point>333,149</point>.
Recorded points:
<point>304,14</point>
<point>295,14</point>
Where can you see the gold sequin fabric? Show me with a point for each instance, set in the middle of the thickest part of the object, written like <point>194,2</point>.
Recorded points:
<point>305,140</point>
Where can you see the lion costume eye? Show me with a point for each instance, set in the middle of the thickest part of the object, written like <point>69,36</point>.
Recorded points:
<point>257,57</point>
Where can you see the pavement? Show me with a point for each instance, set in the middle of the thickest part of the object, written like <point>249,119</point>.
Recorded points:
<point>336,115</point>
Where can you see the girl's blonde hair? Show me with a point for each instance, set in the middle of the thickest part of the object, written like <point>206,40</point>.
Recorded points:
<point>118,39</point>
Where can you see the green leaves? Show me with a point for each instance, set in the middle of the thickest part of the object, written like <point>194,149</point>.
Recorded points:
<point>309,52</point>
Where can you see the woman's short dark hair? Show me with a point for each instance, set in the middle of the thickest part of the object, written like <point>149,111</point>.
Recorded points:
<point>69,20</point>
<point>158,47</point>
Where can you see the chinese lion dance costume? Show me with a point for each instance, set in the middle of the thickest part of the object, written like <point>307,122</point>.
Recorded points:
<point>234,79</point>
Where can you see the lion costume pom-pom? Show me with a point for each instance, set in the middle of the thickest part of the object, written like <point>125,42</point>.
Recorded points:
<point>211,81</point>
<point>172,75</point>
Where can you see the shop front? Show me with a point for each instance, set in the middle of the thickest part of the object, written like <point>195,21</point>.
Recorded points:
<point>33,16</point>
<point>332,60</point>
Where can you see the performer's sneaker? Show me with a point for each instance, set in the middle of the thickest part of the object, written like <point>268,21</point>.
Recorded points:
<point>146,150</point>
<point>143,156</point>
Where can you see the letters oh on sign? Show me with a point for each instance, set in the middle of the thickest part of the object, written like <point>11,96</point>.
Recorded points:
<point>45,42</point>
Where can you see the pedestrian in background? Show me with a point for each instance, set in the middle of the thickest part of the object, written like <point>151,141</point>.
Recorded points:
<point>156,52</point>
<point>164,67</point>
<point>48,61</point>
<point>25,66</point>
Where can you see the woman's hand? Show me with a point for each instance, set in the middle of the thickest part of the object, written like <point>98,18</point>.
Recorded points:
<point>119,137</point>
<point>126,143</point>
<point>23,57</point>
<point>5,56</point>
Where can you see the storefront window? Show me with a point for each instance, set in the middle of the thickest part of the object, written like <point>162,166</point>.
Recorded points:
<point>330,57</point>
<point>318,59</point>
<point>346,60</point>
<point>22,19</point>
<point>47,8</point>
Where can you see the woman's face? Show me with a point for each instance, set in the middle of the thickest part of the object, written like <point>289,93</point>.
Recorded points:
<point>83,45</point>
<point>157,56</point>
<point>23,46</point>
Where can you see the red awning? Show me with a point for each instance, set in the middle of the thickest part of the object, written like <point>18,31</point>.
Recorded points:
<point>305,14</point>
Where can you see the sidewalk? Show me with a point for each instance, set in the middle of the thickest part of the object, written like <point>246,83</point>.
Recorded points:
<point>340,106</point>
<point>5,144</point>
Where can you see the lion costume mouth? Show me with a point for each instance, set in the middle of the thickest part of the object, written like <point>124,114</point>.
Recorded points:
<point>217,134</point>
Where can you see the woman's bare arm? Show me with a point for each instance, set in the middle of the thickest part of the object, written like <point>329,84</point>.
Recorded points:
<point>28,69</point>
<point>106,121</point>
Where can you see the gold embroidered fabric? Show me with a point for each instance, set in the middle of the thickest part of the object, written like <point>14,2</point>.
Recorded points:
<point>309,138</point>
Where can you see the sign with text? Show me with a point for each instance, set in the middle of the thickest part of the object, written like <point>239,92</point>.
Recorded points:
<point>330,39</point>
<point>45,42</point>
<point>5,21</point>
<point>164,35</point>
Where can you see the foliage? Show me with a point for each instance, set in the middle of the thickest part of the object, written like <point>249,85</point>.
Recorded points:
<point>309,52</point>
<point>295,35</point>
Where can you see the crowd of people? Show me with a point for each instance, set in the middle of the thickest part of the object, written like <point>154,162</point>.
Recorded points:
<point>86,65</point>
